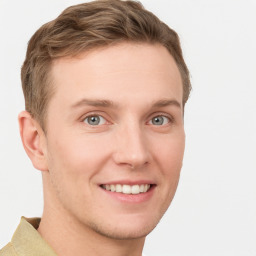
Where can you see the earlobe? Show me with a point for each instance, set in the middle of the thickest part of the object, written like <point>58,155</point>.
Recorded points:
<point>33,139</point>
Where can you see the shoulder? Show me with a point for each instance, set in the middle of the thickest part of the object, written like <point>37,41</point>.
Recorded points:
<point>8,250</point>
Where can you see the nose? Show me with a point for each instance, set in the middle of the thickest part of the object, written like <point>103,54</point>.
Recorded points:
<point>131,147</point>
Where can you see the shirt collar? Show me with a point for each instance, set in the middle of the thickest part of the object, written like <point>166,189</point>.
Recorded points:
<point>27,241</point>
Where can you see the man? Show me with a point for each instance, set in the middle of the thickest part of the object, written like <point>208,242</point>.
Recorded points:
<point>105,86</point>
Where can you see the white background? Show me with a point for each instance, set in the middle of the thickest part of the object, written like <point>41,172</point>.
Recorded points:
<point>214,211</point>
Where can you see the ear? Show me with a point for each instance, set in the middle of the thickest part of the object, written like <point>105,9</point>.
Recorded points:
<point>34,140</point>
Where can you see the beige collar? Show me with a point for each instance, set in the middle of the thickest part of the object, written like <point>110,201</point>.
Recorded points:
<point>27,241</point>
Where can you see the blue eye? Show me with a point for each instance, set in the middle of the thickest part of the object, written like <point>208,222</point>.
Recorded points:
<point>95,120</point>
<point>159,120</point>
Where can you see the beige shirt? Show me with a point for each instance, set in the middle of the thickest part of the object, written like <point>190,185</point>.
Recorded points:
<point>26,241</point>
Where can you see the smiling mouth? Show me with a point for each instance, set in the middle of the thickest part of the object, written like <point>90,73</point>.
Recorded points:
<point>127,189</point>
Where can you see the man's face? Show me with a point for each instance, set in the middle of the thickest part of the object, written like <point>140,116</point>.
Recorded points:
<point>115,122</point>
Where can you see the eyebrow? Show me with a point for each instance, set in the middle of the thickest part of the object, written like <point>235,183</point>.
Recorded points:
<point>166,102</point>
<point>111,104</point>
<point>95,103</point>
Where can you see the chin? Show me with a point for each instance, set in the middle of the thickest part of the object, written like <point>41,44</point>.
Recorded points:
<point>126,229</point>
<point>123,233</point>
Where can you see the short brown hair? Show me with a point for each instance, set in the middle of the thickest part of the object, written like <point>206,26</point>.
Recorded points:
<point>85,26</point>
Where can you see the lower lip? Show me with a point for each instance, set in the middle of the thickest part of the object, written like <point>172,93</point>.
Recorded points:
<point>131,198</point>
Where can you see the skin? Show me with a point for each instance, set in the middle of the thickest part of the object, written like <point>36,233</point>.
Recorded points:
<point>138,82</point>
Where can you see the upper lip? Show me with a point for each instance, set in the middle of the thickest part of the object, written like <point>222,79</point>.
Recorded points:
<point>128,182</point>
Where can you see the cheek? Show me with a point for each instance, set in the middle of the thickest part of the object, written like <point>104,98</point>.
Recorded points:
<point>170,153</point>
<point>172,159</point>
<point>73,164</point>
<point>77,155</point>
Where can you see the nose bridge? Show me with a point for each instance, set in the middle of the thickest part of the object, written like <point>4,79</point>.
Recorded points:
<point>131,145</point>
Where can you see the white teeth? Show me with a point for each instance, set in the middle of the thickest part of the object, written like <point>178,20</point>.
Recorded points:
<point>135,189</point>
<point>146,187</point>
<point>127,189</point>
<point>119,188</point>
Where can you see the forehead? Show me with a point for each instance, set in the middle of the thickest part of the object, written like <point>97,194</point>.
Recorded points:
<point>126,69</point>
